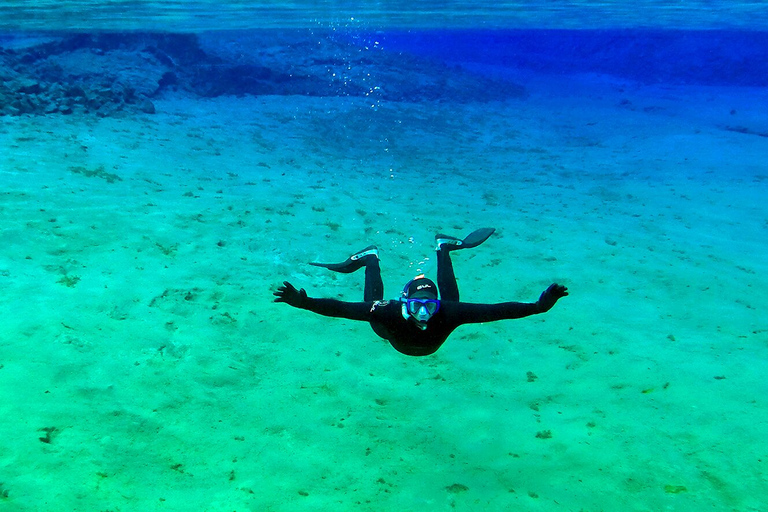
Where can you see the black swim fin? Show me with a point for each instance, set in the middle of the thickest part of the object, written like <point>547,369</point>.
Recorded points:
<point>352,263</point>
<point>473,239</point>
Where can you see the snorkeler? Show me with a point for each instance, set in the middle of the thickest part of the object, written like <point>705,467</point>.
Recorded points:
<point>419,321</point>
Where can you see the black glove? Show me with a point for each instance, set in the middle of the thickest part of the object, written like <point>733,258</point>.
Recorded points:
<point>550,296</point>
<point>290,295</point>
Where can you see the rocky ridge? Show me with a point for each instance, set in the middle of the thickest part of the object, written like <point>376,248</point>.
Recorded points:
<point>110,73</point>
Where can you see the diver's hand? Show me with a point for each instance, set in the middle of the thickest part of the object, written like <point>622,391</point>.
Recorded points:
<point>550,296</point>
<point>290,295</point>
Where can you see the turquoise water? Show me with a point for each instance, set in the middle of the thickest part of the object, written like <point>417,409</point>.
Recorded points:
<point>168,165</point>
<point>211,15</point>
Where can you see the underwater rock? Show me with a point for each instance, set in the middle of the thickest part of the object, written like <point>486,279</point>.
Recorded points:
<point>146,106</point>
<point>80,73</point>
<point>28,86</point>
<point>108,74</point>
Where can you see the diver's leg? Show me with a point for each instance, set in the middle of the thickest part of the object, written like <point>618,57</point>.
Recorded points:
<point>374,286</point>
<point>374,290</point>
<point>446,279</point>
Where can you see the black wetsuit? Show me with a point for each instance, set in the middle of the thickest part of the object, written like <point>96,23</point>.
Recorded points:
<point>386,318</point>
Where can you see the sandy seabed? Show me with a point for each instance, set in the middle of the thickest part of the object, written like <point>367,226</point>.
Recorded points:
<point>144,365</point>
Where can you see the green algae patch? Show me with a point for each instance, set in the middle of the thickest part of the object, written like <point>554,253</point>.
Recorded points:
<point>457,488</point>
<point>99,172</point>
<point>69,281</point>
<point>674,489</point>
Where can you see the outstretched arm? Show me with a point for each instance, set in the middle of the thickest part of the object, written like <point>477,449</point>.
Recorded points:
<point>328,307</point>
<point>476,313</point>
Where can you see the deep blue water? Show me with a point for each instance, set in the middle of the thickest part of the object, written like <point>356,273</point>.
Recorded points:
<point>649,56</point>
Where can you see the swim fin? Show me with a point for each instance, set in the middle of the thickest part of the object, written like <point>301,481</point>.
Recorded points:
<point>473,239</point>
<point>352,263</point>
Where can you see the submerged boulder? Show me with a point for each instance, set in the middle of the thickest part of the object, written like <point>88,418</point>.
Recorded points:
<point>108,74</point>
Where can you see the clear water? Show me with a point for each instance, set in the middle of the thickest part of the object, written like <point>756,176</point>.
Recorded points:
<point>618,148</point>
<point>213,15</point>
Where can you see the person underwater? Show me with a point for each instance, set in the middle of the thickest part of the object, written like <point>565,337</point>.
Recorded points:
<point>419,321</point>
